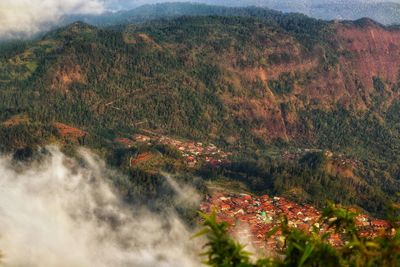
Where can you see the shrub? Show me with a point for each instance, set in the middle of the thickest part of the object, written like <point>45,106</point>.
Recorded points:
<point>284,85</point>
<point>379,85</point>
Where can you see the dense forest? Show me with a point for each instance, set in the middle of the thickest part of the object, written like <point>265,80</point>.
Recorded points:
<point>253,81</point>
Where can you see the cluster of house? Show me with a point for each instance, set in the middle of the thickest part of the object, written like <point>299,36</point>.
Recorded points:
<point>369,227</point>
<point>196,151</point>
<point>251,218</point>
<point>193,152</point>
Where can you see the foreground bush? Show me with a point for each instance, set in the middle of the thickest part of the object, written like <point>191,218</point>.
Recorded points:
<point>301,249</point>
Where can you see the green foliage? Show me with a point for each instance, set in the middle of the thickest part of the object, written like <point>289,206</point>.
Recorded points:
<point>308,250</point>
<point>282,86</point>
<point>313,160</point>
<point>24,136</point>
<point>279,58</point>
<point>383,250</point>
<point>223,251</point>
<point>169,151</point>
<point>341,219</point>
<point>303,249</point>
<point>379,85</point>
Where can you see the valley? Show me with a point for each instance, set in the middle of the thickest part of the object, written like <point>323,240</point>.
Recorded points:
<point>256,114</point>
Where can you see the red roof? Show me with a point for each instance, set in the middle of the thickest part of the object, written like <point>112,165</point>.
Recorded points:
<point>380,223</point>
<point>228,206</point>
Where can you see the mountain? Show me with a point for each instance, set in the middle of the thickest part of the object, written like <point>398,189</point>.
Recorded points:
<point>383,12</point>
<point>258,86</point>
<point>150,12</point>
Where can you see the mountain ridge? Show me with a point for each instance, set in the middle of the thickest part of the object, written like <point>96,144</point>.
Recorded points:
<point>384,12</point>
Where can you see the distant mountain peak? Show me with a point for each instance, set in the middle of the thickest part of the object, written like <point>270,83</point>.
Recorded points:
<point>367,22</point>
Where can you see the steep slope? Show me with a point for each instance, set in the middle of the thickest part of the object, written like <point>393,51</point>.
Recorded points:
<point>206,76</point>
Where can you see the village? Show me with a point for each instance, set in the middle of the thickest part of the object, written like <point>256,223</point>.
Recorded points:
<point>192,152</point>
<point>251,218</point>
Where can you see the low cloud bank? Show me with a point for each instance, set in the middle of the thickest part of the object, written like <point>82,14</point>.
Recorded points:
<point>23,18</point>
<point>63,213</point>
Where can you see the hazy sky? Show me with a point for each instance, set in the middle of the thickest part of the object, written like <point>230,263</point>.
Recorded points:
<point>30,16</point>
<point>126,4</point>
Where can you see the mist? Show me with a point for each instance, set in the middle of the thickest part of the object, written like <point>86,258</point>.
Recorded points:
<point>186,196</point>
<point>23,18</point>
<point>61,212</point>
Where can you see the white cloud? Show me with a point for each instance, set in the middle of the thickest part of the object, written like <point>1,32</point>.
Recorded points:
<point>27,17</point>
<point>59,213</point>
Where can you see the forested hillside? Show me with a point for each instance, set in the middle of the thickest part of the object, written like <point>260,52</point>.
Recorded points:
<point>256,85</point>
